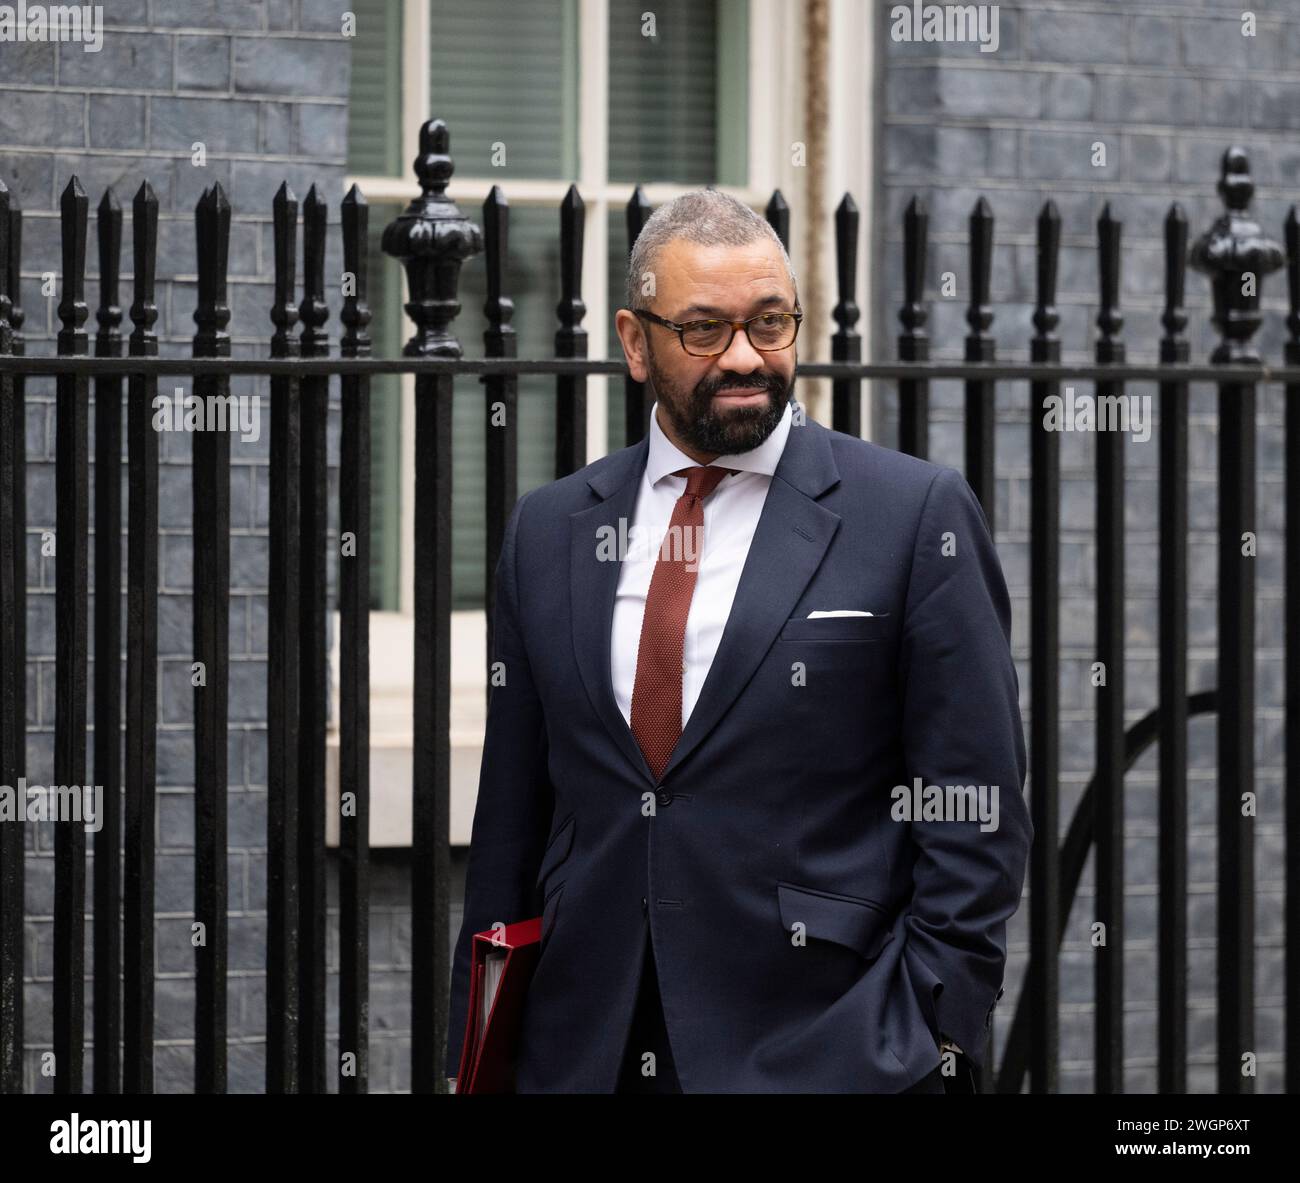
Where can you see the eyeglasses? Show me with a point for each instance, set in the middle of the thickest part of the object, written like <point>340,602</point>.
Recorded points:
<point>768,332</point>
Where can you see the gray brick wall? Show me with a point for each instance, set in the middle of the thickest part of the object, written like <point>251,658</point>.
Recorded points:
<point>263,84</point>
<point>1166,86</point>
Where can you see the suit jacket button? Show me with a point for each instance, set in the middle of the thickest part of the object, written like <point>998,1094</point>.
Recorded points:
<point>644,906</point>
<point>664,797</point>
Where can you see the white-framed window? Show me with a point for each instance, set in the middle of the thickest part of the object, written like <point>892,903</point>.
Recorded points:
<point>605,94</point>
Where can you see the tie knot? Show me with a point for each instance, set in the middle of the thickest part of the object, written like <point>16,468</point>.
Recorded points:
<point>701,480</point>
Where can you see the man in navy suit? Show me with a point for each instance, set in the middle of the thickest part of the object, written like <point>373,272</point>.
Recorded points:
<point>754,749</point>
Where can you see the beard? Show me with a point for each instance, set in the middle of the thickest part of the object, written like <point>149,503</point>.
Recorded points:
<point>699,424</point>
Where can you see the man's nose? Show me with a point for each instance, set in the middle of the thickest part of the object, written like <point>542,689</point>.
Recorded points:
<point>741,357</point>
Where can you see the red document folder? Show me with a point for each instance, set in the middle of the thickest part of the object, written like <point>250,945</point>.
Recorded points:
<point>499,974</point>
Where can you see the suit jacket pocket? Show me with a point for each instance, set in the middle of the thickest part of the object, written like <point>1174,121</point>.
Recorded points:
<point>838,628</point>
<point>860,924</point>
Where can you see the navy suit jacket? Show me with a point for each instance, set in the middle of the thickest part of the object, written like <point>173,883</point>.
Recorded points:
<point>805,940</point>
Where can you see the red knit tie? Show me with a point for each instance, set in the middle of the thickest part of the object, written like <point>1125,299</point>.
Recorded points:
<point>657,691</point>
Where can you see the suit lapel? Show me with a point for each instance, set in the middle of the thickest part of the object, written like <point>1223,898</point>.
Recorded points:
<point>593,584</point>
<point>789,543</point>
<point>791,538</point>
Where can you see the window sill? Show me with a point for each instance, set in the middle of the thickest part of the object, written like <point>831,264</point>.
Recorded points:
<point>392,708</point>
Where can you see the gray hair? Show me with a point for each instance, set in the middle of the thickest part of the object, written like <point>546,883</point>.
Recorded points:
<point>705,216</point>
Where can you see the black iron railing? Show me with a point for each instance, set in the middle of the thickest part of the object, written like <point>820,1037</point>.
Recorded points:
<point>432,239</point>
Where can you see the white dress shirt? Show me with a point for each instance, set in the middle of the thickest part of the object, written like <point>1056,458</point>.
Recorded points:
<point>731,514</point>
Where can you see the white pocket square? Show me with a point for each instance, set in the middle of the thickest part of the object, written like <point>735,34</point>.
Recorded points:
<point>838,612</point>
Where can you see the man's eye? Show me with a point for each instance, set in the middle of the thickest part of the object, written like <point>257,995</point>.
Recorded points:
<point>705,331</point>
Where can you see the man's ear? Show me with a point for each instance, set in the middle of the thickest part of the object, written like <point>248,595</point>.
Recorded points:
<point>631,335</point>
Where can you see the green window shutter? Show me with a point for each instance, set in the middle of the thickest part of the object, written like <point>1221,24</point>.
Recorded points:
<point>677,109</point>
<point>375,98</point>
<point>505,73</point>
<point>531,282</point>
<point>386,281</point>
<point>732,91</point>
<point>375,147</point>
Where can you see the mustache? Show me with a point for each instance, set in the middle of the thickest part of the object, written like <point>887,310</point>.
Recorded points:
<point>768,382</point>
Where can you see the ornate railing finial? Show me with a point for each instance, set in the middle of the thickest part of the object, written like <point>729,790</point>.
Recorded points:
<point>431,238</point>
<point>1236,255</point>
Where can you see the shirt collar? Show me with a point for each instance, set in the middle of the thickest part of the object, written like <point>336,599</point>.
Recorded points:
<point>665,458</point>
